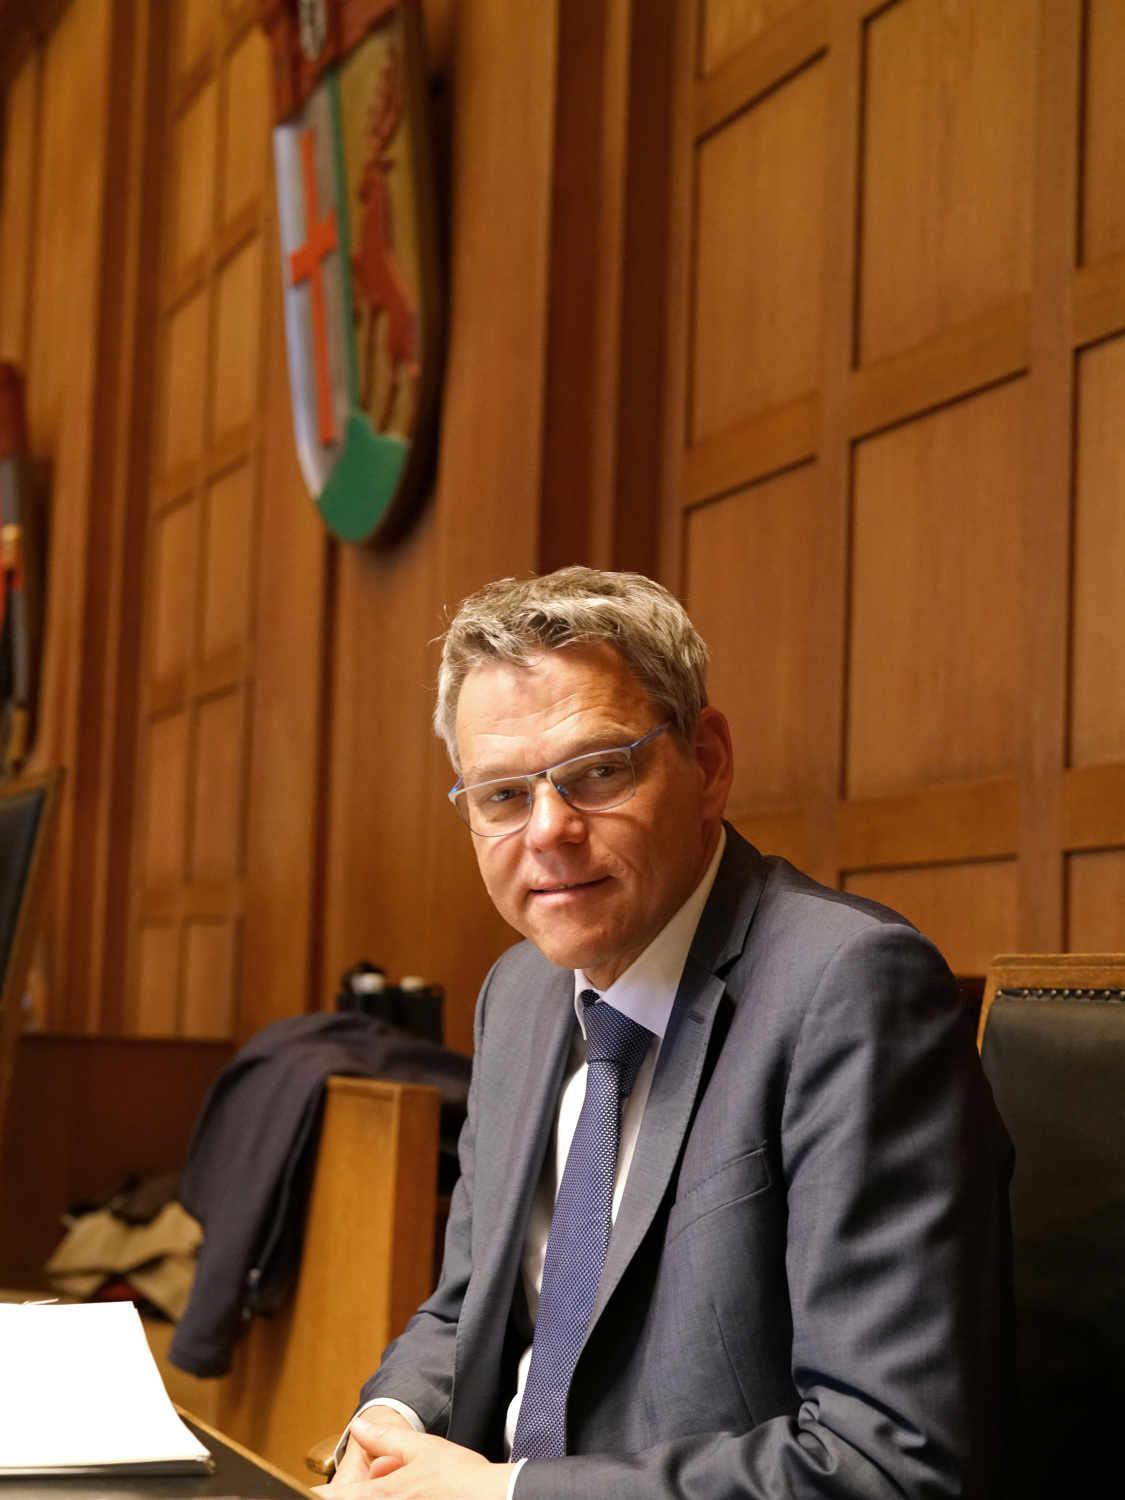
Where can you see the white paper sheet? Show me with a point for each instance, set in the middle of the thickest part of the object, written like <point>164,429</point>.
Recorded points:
<point>79,1389</point>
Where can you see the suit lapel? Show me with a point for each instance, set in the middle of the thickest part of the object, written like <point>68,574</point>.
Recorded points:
<point>719,939</point>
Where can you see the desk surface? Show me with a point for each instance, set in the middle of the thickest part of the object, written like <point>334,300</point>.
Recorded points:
<point>238,1473</point>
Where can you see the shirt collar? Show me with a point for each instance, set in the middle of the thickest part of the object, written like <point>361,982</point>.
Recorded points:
<point>647,989</point>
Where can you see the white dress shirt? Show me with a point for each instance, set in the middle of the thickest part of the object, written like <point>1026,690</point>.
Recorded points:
<point>645,993</point>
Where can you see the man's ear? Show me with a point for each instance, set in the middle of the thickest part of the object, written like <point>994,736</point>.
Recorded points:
<point>716,760</point>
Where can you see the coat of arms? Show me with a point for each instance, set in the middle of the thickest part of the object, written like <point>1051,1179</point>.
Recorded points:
<point>359,262</point>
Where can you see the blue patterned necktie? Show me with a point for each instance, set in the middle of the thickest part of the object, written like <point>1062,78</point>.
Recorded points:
<point>580,1226</point>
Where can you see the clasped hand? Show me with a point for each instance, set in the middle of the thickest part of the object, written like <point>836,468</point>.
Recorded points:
<point>387,1460</point>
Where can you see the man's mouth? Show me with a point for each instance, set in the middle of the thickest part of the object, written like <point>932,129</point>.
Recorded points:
<point>570,885</point>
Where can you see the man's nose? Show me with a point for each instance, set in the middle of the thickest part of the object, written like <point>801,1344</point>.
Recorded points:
<point>553,820</point>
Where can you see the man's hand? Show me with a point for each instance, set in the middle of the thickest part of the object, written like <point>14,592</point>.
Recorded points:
<point>387,1460</point>
<point>356,1462</point>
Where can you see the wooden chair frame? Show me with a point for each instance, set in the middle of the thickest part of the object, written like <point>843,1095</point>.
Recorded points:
<point>1065,972</point>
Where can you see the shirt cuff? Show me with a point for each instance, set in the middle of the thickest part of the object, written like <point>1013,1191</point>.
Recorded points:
<point>403,1410</point>
<point>515,1475</point>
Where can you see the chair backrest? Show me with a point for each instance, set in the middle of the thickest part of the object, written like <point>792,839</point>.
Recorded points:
<point>1052,1040</point>
<point>28,814</point>
<point>366,1264</point>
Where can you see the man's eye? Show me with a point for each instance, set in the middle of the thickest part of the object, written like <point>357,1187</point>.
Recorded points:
<point>502,794</point>
<point>602,772</point>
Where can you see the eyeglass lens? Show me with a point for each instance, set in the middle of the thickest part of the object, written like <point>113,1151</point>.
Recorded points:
<point>590,783</point>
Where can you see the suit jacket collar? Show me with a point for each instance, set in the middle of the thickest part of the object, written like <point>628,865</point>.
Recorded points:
<point>719,940</point>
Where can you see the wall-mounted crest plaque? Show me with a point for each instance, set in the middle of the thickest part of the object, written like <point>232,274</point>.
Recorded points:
<point>360,272</point>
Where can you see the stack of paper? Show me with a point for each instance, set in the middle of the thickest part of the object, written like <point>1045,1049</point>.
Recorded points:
<point>80,1394</point>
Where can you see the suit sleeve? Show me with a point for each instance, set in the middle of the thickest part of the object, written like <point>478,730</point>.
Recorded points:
<point>895,1169</point>
<point>417,1368</point>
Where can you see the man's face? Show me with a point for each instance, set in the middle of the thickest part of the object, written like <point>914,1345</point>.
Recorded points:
<point>591,890</point>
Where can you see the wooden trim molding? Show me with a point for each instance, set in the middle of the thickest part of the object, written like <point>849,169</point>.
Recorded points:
<point>1049,971</point>
<point>762,445</point>
<point>783,49</point>
<point>938,825</point>
<point>1099,300</point>
<point>956,363</point>
<point>1093,807</point>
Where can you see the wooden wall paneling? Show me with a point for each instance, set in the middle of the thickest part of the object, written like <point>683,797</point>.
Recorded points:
<point>935,624</point>
<point>245,154</point>
<point>759,243</point>
<point>280,956</point>
<point>209,953</point>
<point>156,1009</point>
<point>729,26</point>
<point>215,818</point>
<point>195,137</point>
<point>17,207</point>
<point>750,593</point>
<point>127,342</point>
<point>937,825</point>
<point>1044,556</point>
<point>165,814</point>
<point>1093,806</point>
<point>196,34</point>
<point>829,556</point>
<point>968,910</point>
<point>672,451</point>
<point>92,1109</point>
<point>389,835</point>
<point>1103,153</point>
<point>489,471</point>
<point>238,341</point>
<point>946,219</point>
<point>1095,902</point>
<point>74,303</point>
<point>580,385</point>
<point>1097,695</point>
<point>208,469</point>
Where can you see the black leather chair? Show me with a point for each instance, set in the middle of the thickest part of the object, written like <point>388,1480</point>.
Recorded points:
<point>28,813</point>
<point>1052,1040</point>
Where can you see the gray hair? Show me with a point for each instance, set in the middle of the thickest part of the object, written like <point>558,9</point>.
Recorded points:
<point>516,619</point>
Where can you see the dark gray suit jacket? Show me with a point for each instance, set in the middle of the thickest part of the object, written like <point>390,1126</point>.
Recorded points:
<point>807,1291</point>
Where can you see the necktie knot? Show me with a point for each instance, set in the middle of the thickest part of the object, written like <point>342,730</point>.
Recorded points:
<point>612,1037</point>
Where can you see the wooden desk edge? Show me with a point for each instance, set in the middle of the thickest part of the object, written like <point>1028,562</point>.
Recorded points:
<point>254,1458</point>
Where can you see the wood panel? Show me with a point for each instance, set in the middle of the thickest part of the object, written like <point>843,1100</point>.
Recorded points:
<point>1097,710</point>
<point>238,348</point>
<point>209,957</point>
<point>1103,155</point>
<point>91,1110</point>
<point>758,248</point>
<point>947,173</point>
<point>730,25</point>
<point>185,377</point>
<point>390,834</point>
<point>194,137</point>
<point>1096,902</point>
<point>17,210</point>
<point>202,554</point>
<point>157,1007</point>
<point>245,158</point>
<point>175,544</point>
<point>967,910</point>
<point>934,643</point>
<point>750,592</point>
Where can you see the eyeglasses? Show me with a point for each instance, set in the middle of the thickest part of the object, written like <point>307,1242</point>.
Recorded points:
<point>594,782</point>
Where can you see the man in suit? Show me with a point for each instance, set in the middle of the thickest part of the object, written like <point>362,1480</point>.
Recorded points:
<point>733,1213</point>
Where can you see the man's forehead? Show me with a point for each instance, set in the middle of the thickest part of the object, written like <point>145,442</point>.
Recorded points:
<point>550,708</point>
